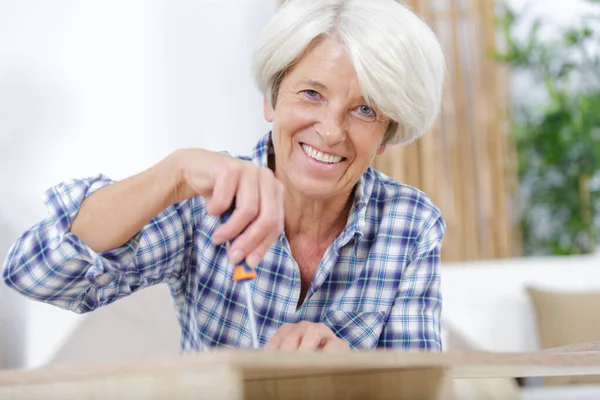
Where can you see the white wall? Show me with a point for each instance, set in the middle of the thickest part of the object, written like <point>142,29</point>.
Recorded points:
<point>112,87</point>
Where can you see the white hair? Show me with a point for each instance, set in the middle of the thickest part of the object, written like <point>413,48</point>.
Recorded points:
<point>397,58</point>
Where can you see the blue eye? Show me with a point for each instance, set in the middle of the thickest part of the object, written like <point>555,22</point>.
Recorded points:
<point>311,94</point>
<point>366,111</point>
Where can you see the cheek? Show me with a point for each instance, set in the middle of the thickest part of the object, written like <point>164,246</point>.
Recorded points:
<point>289,119</point>
<point>363,161</point>
<point>295,115</point>
<point>366,146</point>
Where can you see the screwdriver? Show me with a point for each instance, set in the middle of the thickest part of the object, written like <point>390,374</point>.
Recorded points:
<point>243,274</point>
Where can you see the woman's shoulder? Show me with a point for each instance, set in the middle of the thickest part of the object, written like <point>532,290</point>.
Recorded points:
<point>399,200</point>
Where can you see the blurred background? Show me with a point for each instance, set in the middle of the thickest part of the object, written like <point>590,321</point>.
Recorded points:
<point>513,161</point>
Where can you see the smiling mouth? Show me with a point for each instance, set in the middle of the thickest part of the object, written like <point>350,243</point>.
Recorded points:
<point>320,157</point>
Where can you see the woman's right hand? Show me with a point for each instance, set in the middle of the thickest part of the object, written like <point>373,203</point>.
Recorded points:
<point>258,218</point>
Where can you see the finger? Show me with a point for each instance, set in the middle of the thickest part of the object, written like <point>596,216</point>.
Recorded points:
<point>278,337</point>
<point>291,341</point>
<point>280,196</point>
<point>266,228</point>
<point>259,252</point>
<point>293,337</point>
<point>334,344</point>
<point>221,198</point>
<point>313,338</point>
<point>200,182</point>
<point>199,185</point>
<point>247,242</point>
<point>246,210</point>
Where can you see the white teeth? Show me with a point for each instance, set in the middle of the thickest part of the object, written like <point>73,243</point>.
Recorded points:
<point>317,155</point>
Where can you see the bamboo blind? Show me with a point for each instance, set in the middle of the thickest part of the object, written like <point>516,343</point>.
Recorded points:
<point>465,163</point>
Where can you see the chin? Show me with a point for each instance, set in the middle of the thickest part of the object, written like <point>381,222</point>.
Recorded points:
<point>313,189</point>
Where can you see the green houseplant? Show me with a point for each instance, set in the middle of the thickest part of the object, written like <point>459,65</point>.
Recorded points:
<point>557,131</point>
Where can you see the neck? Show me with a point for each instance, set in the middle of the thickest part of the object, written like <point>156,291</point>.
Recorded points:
<point>317,221</point>
<point>313,221</point>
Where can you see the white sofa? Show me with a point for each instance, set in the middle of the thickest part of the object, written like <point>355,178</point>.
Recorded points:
<point>486,304</point>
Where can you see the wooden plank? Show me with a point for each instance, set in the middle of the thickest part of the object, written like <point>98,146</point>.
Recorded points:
<point>256,365</point>
<point>408,384</point>
<point>218,383</point>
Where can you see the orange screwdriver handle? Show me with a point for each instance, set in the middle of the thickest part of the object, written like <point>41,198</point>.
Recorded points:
<point>243,272</point>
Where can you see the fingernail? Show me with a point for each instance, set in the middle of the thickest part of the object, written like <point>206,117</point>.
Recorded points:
<point>252,260</point>
<point>236,256</point>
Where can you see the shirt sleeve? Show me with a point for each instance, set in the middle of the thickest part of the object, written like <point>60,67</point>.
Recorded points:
<point>50,264</point>
<point>414,321</point>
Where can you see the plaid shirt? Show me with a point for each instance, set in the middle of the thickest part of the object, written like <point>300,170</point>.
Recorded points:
<point>378,284</point>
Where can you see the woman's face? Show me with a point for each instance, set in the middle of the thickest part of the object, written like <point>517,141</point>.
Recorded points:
<point>324,134</point>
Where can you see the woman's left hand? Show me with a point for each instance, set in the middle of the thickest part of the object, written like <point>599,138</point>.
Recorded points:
<point>306,336</point>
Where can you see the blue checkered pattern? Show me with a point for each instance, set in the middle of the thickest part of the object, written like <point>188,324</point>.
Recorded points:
<point>378,284</point>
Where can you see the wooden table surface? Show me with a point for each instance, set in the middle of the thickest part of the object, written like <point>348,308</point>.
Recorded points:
<point>261,375</point>
<point>263,364</point>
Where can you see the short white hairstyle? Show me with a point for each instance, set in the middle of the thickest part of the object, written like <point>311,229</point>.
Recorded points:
<point>397,58</point>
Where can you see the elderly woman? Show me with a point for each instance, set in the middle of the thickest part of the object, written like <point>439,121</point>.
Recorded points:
<point>346,257</point>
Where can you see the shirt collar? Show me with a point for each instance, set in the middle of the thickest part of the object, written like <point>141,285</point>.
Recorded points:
<point>362,191</point>
<point>262,149</point>
<point>362,194</point>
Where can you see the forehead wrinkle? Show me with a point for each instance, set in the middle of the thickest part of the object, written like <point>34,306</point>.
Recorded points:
<point>359,98</point>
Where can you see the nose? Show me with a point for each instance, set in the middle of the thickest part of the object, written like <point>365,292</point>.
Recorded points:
<point>332,127</point>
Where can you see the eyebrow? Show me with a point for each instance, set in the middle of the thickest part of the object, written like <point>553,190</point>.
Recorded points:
<point>313,83</point>
<point>321,86</point>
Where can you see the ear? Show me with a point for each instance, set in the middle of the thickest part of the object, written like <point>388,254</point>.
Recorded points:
<point>268,110</point>
<point>380,150</point>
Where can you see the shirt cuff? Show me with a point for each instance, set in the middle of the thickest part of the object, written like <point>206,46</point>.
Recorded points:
<point>63,202</point>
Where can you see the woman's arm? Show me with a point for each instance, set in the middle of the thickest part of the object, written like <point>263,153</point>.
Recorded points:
<point>414,321</point>
<point>104,240</point>
<point>111,216</point>
<point>51,264</point>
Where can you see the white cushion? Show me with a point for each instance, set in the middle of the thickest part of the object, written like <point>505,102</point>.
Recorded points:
<point>486,302</point>
<point>573,392</point>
